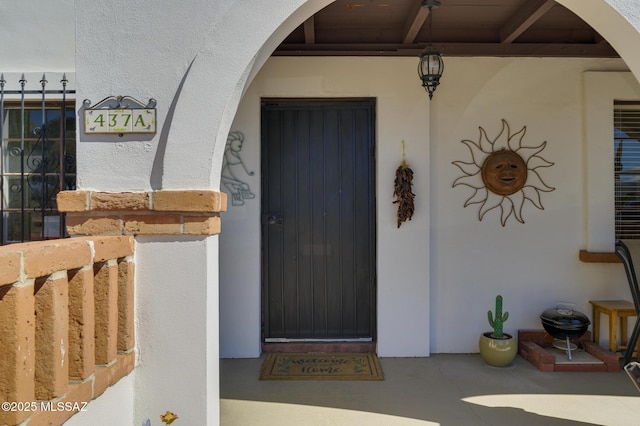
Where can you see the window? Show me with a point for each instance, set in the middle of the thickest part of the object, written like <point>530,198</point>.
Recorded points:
<point>36,164</point>
<point>626,128</point>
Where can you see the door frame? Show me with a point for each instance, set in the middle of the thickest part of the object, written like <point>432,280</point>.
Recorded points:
<point>356,344</point>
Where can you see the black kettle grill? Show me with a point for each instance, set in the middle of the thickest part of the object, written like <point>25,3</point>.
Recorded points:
<point>565,323</point>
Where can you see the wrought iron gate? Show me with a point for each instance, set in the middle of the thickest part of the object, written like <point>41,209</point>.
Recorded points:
<point>37,135</point>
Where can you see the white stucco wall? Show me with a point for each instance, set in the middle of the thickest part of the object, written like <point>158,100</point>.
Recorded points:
<point>439,274</point>
<point>114,406</point>
<point>38,36</point>
<point>194,59</point>
<point>177,328</point>
<point>534,264</point>
<point>403,254</point>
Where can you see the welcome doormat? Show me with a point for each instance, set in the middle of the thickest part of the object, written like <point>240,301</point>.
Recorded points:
<point>321,366</point>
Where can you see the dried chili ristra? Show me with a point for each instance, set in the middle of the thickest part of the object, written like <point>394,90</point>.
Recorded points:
<point>403,194</point>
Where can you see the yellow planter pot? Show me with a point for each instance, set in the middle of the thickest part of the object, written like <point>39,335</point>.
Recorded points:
<point>498,352</point>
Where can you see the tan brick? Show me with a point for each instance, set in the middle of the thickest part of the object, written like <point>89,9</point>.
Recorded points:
<point>161,224</point>
<point>52,330</point>
<point>126,325</point>
<point>73,201</point>
<point>223,201</point>
<point>45,258</point>
<point>109,375</point>
<point>80,392</point>
<point>189,201</point>
<point>77,395</point>
<point>17,363</point>
<point>105,291</point>
<point>112,247</point>
<point>94,225</point>
<point>10,269</point>
<point>81,324</point>
<point>201,225</point>
<point>119,201</point>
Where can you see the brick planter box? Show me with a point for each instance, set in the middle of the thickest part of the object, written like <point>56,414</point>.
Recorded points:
<point>532,346</point>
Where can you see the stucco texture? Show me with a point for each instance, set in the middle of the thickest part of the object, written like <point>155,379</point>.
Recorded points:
<point>439,274</point>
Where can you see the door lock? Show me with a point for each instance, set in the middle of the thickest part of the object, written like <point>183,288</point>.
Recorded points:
<point>274,219</point>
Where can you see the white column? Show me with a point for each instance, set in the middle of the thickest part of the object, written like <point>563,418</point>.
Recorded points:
<point>177,329</point>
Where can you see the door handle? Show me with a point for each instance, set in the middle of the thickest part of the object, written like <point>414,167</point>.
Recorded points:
<point>274,219</point>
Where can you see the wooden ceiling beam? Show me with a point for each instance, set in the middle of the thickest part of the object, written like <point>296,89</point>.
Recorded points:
<point>417,17</point>
<point>310,31</point>
<point>598,39</point>
<point>452,50</point>
<point>524,17</point>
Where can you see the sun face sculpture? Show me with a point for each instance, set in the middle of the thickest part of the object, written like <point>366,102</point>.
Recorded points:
<point>503,173</point>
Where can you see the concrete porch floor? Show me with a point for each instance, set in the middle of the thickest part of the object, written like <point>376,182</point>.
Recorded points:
<point>444,389</point>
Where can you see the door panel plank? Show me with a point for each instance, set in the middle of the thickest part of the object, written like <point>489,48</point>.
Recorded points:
<point>274,238</point>
<point>289,216</point>
<point>304,209</point>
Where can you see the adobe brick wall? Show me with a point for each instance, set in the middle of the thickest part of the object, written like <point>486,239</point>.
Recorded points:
<point>52,335</point>
<point>81,324</point>
<point>164,212</point>
<point>17,330</point>
<point>66,322</point>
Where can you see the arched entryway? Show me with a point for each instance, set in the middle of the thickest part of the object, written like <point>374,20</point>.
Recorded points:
<point>244,294</point>
<point>198,67</point>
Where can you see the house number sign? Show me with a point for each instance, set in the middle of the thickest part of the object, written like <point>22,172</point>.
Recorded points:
<point>119,115</point>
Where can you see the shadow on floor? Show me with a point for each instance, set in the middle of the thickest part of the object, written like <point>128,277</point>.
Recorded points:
<point>444,389</point>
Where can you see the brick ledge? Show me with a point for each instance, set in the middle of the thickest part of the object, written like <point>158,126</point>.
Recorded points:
<point>163,212</point>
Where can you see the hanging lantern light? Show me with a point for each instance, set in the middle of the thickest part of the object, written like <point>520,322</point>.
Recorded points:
<point>430,69</point>
<point>431,64</point>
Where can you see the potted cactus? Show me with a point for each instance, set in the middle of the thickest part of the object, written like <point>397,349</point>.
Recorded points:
<point>498,348</point>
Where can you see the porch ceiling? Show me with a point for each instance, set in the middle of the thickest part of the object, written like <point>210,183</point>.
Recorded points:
<point>539,28</point>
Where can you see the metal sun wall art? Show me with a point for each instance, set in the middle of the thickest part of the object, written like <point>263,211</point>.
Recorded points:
<point>503,173</point>
<point>232,165</point>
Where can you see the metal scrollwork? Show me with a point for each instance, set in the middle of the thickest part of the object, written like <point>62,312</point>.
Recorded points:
<point>119,102</point>
<point>232,166</point>
<point>503,173</point>
<point>36,162</point>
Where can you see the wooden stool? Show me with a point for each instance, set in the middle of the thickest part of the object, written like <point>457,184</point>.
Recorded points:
<point>615,309</point>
